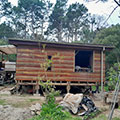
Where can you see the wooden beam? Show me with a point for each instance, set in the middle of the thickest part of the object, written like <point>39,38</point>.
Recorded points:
<point>60,84</point>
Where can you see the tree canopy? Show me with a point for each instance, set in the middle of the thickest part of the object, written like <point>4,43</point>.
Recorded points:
<point>110,36</point>
<point>38,19</point>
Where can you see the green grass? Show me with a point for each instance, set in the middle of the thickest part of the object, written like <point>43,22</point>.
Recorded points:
<point>67,117</point>
<point>25,103</point>
<point>106,88</point>
<point>101,117</point>
<point>21,104</point>
<point>116,118</point>
<point>2,102</point>
<point>32,100</point>
<point>70,117</point>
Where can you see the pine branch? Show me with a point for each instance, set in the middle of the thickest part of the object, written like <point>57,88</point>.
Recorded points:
<point>118,3</point>
<point>110,14</point>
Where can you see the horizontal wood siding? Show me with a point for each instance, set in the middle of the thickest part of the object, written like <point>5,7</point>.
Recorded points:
<point>30,61</point>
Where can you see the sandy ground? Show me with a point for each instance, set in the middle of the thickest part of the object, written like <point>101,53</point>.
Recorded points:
<point>16,107</point>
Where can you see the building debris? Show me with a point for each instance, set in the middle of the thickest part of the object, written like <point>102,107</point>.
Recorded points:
<point>88,105</point>
<point>76,103</point>
<point>71,102</point>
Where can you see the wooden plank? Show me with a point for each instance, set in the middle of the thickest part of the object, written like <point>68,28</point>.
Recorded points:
<point>63,78</point>
<point>59,55</point>
<point>41,70</point>
<point>76,80</point>
<point>42,61</point>
<point>62,84</point>
<point>62,67</point>
<point>39,64</point>
<point>62,51</point>
<point>41,57</point>
<point>56,74</point>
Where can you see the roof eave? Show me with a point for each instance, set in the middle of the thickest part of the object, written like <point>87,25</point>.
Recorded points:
<point>17,42</point>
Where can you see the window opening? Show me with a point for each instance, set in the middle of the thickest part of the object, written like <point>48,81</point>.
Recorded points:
<point>83,61</point>
<point>49,67</point>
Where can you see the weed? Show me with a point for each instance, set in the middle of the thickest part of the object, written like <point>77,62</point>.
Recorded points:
<point>91,115</point>
<point>116,118</point>
<point>101,117</point>
<point>2,102</point>
<point>32,100</point>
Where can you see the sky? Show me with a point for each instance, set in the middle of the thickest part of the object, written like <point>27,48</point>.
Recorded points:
<point>96,8</point>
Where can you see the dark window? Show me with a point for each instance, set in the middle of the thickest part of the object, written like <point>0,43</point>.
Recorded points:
<point>49,57</point>
<point>49,68</point>
<point>83,61</point>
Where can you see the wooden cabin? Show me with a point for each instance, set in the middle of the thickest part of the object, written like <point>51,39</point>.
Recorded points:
<point>69,64</point>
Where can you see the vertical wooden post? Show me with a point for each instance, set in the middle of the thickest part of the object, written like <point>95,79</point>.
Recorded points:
<point>17,87</point>
<point>37,88</point>
<point>102,87</point>
<point>68,87</point>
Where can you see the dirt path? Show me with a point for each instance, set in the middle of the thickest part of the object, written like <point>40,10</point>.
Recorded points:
<point>16,107</point>
<point>105,108</point>
<point>8,112</point>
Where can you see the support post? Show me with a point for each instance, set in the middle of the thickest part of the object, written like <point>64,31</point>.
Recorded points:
<point>17,87</point>
<point>37,88</point>
<point>102,87</point>
<point>68,87</point>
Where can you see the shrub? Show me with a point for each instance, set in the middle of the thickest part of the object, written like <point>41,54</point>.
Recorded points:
<point>113,76</point>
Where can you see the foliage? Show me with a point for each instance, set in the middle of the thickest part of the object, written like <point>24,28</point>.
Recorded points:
<point>56,20</point>
<point>110,36</point>
<point>67,116</point>
<point>49,90</point>
<point>101,117</point>
<point>76,19</point>
<point>69,23</point>
<point>3,42</point>
<point>5,8</point>
<point>51,111</point>
<point>33,12</point>
<point>2,102</point>
<point>6,31</point>
<point>113,76</point>
<point>29,15</point>
<point>116,118</point>
<point>91,115</point>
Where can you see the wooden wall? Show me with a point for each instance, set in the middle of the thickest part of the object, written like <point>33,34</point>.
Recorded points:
<point>30,62</point>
